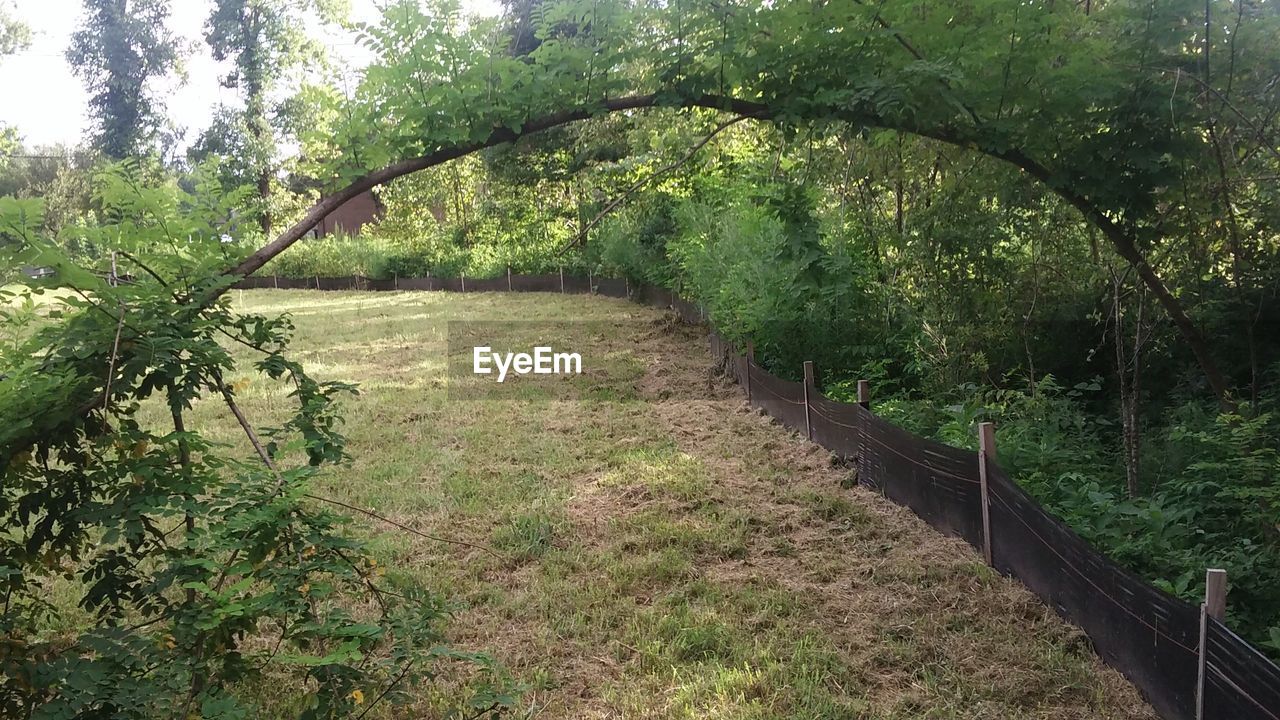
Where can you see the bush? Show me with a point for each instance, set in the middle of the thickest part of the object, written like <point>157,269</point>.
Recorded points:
<point>334,256</point>
<point>764,272</point>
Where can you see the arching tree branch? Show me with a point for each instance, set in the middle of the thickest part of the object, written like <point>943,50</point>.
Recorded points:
<point>1122,238</point>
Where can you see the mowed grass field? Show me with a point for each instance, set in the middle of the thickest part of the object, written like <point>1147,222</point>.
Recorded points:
<point>662,551</point>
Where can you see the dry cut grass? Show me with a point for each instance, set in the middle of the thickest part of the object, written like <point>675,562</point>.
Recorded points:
<point>664,551</point>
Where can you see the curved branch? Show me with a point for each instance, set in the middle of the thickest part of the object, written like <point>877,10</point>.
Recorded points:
<point>499,136</point>
<point>1121,238</point>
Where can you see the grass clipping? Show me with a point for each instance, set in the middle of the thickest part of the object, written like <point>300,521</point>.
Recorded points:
<point>664,551</point>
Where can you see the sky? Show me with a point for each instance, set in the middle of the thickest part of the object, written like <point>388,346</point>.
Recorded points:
<point>48,104</point>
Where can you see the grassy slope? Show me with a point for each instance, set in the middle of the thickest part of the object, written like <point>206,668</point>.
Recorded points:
<point>665,552</point>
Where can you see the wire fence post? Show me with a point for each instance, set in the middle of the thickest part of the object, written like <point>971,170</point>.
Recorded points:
<point>808,383</point>
<point>1214,606</point>
<point>395,281</point>
<point>463,275</point>
<point>986,453</point>
<point>751,359</point>
<point>591,286</point>
<point>508,278</point>
<point>864,394</point>
<point>275,279</point>
<point>561,279</point>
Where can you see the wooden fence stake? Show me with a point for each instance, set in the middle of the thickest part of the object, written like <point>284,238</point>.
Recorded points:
<point>317,282</point>
<point>808,383</point>
<point>275,279</point>
<point>864,394</point>
<point>1214,606</point>
<point>395,281</point>
<point>464,280</point>
<point>986,453</point>
<point>561,279</point>
<point>751,359</point>
<point>508,278</point>
<point>591,286</point>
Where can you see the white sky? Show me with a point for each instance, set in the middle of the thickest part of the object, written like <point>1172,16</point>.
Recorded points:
<point>47,103</point>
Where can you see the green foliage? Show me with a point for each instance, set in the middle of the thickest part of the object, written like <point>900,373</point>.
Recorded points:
<point>15,35</point>
<point>151,572</point>
<point>334,256</point>
<point>116,51</point>
<point>634,242</point>
<point>764,271</point>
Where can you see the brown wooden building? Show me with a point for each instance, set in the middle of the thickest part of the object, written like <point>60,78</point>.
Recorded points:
<point>349,217</point>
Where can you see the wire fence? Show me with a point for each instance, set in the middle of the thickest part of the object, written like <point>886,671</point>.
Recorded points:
<point>1187,663</point>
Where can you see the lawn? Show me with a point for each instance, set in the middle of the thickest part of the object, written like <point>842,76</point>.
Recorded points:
<point>661,551</point>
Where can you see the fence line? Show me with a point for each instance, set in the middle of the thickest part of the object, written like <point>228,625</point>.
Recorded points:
<point>1185,661</point>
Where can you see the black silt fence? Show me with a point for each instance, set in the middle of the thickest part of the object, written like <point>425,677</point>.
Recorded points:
<point>652,295</point>
<point>535,283</point>
<point>1239,681</point>
<point>739,368</point>
<point>688,312</point>
<point>1149,636</point>
<point>782,399</point>
<point>577,284</point>
<point>498,284</point>
<point>838,427</point>
<point>254,282</point>
<point>939,483</point>
<point>425,283</point>
<point>611,287</point>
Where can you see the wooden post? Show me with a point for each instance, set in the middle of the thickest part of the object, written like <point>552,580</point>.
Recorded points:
<point>808,383</point>
<point>864,394</point>
<point>751,359</point>
<point>1214,606</point>
<point>591,286</point>
<point>463,275</point>
<point>508,278</point>
<point>275,279</point>
<point>317,282</point>
<point>986,453</point>
<point>561,279</point>
<point>395,281</point>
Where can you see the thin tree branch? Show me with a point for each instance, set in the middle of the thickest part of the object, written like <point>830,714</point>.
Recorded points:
<point>582,233</point>
<point>385,691</point>
<point>401,526</point>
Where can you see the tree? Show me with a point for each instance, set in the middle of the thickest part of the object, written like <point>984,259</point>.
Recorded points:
<point>14,34</point>
<point>121,46</point>
<point>205,574</point>
<point>266,39</point>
